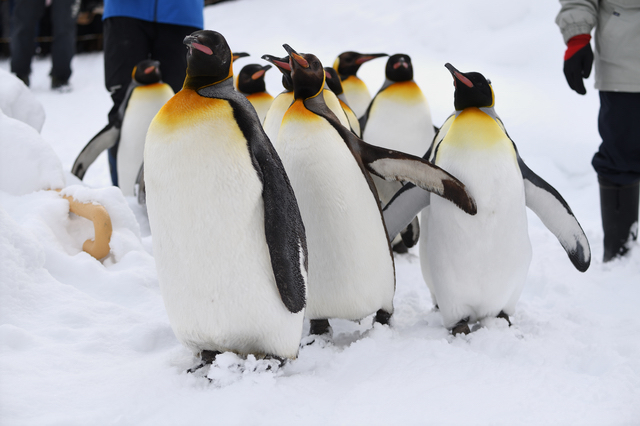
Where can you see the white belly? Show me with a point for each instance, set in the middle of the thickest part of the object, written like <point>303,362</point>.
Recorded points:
<point>273,117</point>
<point>207,219</point>
<point>357,94</point>
<point>144,104</point>
<point>401,122</point>
<point>476,266</point>
<point>351,272</point>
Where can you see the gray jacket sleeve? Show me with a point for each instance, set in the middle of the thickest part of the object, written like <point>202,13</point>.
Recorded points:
<point>577,17</point>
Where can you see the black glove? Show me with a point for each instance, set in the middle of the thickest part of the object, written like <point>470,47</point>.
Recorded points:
<point>578,60</point>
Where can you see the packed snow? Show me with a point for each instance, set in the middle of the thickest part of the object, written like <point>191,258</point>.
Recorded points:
<point>87,342</point>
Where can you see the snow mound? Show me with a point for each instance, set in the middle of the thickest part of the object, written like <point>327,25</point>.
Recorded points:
<point>28,163</point>
<point>17,101</point>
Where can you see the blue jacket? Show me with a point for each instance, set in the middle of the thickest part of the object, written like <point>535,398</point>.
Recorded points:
<point>177,12</point>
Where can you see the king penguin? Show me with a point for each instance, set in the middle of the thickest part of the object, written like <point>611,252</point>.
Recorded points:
<point>351,268</point>
<point>282,102</point>
<point>212,177</point>
<point>477,268</point>
<point>347,65</point>
<point>251,83</point>
<point>145,96</point>
<point>399,118</point>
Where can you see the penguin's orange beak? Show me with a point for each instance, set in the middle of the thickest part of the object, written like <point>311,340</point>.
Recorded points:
<point>149,70</point>
<point>458,76</point>
<point>293,55</point>
<point>256,75</point>
<point>300,60</point>
<point>192,42</point>
<point>401,63</point>
<point>366,58</point>
<point>239,55</point>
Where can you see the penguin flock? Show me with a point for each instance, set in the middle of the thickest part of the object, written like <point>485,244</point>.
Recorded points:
<point>266,211</point>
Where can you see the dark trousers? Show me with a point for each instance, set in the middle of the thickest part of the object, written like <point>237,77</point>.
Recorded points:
<point>128,41</point>
<point>618,158</point>
<point>24,24</point>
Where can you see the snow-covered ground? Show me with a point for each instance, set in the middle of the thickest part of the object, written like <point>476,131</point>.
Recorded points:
<point>88,343</point>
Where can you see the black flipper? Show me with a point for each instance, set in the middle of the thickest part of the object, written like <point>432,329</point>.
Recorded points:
<point>105,139</point>
<point>395,165</point>
<point>141,191</point>
<point>284,229</point>
<point>555,213</point>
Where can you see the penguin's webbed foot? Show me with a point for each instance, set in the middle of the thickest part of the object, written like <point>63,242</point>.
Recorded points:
<point>504,317</point>
<point>383,317</point>
<point>462,327</point>
<point>320,331</point>
<point>401,248</point>
<point>279,362</point>
<point>207,358</point>
<point>320,327</point>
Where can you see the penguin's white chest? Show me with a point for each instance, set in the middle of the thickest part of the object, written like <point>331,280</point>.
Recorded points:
<point>400,119</point>
<point>273,117</point>
<point>207,219</point>
<point>476,266</point>
<point>351,272</point>
<point>144,104</point>
<point>357,94</point>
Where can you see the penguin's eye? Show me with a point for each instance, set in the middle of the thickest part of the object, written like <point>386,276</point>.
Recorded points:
<point>488,81</point>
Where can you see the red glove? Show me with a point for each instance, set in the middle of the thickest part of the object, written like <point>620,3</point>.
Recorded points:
<point>578,60</point>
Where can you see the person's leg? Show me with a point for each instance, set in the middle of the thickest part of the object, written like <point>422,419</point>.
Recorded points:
<point>63,17</point>
<point>617,163</point>
<point>24,23</point>
<point>127,41</point>
<point>169,49</point>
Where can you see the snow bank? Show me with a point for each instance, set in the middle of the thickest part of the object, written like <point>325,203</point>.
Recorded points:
<point>27,163</point>
<point>18,102</point>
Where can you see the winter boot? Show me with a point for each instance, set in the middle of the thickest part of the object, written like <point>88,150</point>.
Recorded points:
<point>619,209</point>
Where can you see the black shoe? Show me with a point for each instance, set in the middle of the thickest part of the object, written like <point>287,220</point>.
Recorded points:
<point>619,209</point>
<point>60,85</point>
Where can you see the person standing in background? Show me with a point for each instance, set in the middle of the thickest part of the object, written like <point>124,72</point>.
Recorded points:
<point>139,30</point>
<point>617,67</point>
<point>24,23</point>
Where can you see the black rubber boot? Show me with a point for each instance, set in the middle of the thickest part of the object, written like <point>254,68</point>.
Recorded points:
<point>619,209</point>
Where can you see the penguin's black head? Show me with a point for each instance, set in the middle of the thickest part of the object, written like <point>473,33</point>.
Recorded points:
<point>251,78</point>
<point>472,89</point>
<point>348,63</point>
<point>399,68</point>
<point>238,55</point>
<point>307,74</point>
<point>209,59</point>
<point>147,72</point>
<point>283,65</point>
<point>333,81</point>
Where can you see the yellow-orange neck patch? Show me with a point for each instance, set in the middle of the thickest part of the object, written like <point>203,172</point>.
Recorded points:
<point>474,129</point>
<point>187,107</point>
<point>298,112</point>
